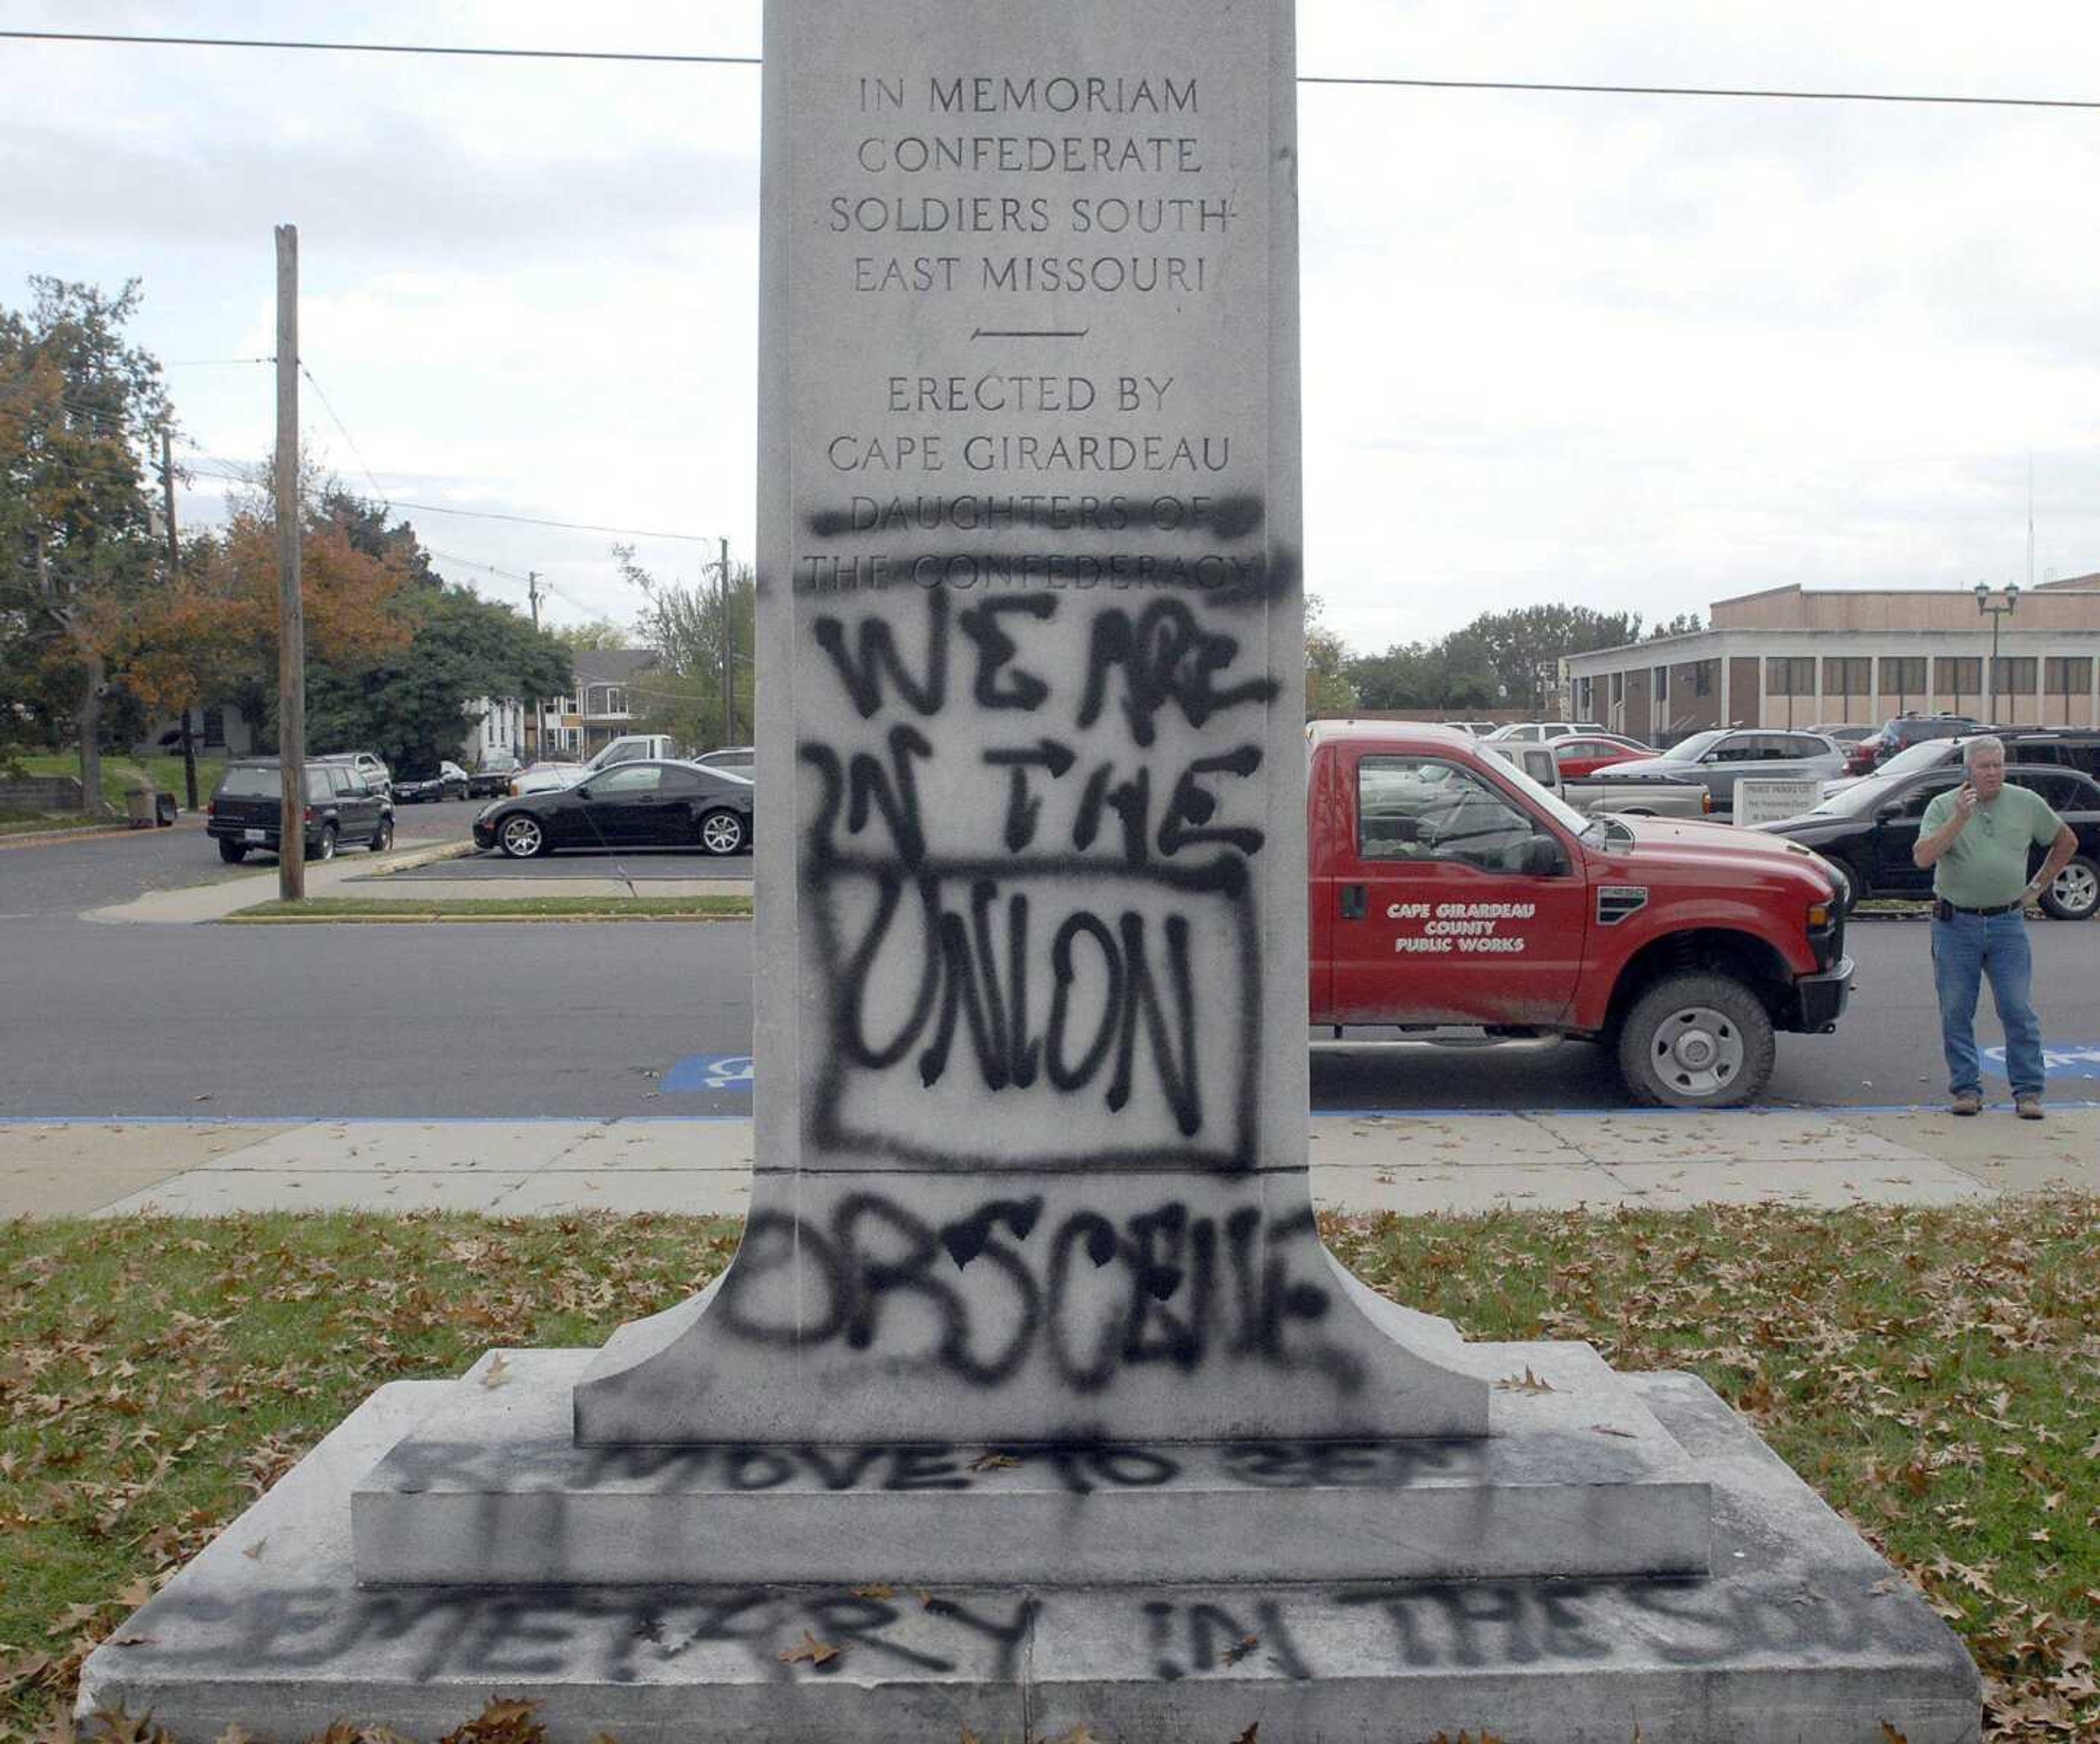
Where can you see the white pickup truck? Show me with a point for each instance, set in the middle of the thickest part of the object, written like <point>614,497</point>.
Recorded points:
<point>631,747</point>
<point>1636,797</point>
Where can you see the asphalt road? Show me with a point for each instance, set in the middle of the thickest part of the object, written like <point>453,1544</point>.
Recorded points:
<point>627,1019</point>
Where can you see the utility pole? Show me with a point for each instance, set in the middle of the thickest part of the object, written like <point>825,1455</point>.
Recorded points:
<point>728,657</point>
<point>175,573</point>
<point>539,703</point>
<point>291,614</point>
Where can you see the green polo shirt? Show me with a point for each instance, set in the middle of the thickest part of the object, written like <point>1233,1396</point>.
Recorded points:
<point>1988,863</point>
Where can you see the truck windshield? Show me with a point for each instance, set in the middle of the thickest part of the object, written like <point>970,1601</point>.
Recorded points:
<point>1545,798</point>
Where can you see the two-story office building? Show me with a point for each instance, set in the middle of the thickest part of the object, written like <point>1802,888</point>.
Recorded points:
<point>1791,657</point>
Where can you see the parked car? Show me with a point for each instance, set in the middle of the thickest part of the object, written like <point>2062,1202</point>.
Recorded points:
<point>629,748</point>
<point>1867,833</point>
<point>1656,797</point>
<point>246,810</point>
<point>1478,729</point>
<point>2078,750</point>
<point>1845,733</point>
<point>492,779</point>
<point>1446,890</point>
<point>738,759</point>
<point>1585,753</point>
<point>1722,755</point>
<point>656,804</point>
<point>1901,733</point>
<point>1541,732</point>
<point>443,779</point>
<point>370,769</point>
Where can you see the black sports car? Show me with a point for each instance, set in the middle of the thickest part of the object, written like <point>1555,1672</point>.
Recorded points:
<point>415,782</point>
<point>654,804</point>
<point>1867,829</point>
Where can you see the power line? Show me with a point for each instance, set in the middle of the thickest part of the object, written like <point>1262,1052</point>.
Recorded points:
<point>343,427</point>
<point>1773,93</point>
<point>385,48</point>
<point>1760,93</point>
<point>533,520</point>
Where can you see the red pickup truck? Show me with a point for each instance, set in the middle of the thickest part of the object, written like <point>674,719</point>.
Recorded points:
<point>1447,887</point>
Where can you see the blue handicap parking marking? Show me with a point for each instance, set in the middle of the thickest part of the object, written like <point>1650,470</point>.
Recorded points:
<point>2073,1059</point>
<point>707,1071</point>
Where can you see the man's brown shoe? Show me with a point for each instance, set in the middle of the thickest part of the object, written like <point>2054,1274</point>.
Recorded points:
<point>2027,1107</point>
<point>1968,1102</point>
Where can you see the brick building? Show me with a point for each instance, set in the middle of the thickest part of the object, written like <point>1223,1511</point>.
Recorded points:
<point>1786,657</point>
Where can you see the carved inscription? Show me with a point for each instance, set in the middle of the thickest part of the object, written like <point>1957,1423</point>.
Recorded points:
<point>1030,579</point>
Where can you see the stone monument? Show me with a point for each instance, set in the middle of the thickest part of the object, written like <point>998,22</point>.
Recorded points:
<point>1031,1398</point>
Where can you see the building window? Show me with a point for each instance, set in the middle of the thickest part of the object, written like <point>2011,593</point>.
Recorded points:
<point>1704,672</point>
<point>1959,675</point>
<point>1848,676</point>
<point>1585,695</point>
<point>1790,675</point>
<point>1903,676</point>
<point>1662,684</point>
<point>214,729</point>
<point>1618,688</point>
<point>2013,675</point>
<point>616,699</point>
<point>2068,675</point>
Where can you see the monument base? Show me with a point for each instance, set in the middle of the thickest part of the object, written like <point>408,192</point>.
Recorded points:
<point>1800,1635</point>
<point>1575,1478</point>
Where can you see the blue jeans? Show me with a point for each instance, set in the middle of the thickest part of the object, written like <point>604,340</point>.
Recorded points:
<point>1965,948</point>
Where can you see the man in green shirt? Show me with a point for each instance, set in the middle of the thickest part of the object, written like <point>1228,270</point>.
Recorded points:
<point>1976,840</point>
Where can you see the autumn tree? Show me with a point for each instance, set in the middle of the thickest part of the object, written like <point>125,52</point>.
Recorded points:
<point>411,700</point>
<point>695,633</point>
<point>79,407</point>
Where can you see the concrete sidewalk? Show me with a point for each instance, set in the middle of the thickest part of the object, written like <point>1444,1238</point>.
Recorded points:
<point>1411,1164</point>
<point>367,875</point>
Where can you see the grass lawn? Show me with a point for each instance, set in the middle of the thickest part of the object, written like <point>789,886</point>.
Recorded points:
<point>500,908</point>
<point>1932,1373</point>
<point>119,773</point>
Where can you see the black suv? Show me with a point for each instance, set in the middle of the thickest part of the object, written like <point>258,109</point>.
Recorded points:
<point>1866,755</point>
<point>247,811</point>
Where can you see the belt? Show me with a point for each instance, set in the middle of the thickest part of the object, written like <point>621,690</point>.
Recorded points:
<point>1942,908</point>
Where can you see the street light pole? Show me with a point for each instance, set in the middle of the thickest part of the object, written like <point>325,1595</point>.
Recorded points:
<point>2002,608</point>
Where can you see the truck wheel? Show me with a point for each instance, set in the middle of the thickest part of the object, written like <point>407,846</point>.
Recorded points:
<point>2075,893</point>
<point>1696,1041</point>
<point>326,849</point>
<point>232,852</point>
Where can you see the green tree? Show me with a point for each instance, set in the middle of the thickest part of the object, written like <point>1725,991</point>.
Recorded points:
<point>589,638</point>
<point>79,408</point>
<point>1328,690</point>
<point>1684,624</point>
<point>696,633</point>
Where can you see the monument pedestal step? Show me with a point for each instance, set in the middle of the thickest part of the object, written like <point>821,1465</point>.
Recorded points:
<point>489,1489</point>
<point>1800,1634</point>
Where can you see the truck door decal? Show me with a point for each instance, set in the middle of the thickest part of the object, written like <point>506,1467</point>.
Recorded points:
<point>1617,902</point>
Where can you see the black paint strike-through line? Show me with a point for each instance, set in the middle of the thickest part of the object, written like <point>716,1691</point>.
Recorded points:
<point>1030,333</point>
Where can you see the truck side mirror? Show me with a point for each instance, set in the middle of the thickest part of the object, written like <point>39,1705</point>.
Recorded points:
<point>1543,858</point>
<point>1887,813</point>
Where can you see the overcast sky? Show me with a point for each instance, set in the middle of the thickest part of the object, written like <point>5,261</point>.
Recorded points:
<point>1636,352</point>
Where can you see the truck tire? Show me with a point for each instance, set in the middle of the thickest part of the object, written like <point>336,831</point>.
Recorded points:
<point>233,853</point>
<point>1696,1041</point>
<point>2075,893</point>
<point>1858,886</point>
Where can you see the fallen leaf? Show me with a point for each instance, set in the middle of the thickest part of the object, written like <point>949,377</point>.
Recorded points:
<point>1605,1429</point>
<point>1526,1382</point>
<point>878,1589</point>
<point>991,1460</point>
<point>1242,1648</point>
<point>808,1648</point>
<point>497,1374</point>
<point>1890,1735</point>
<point>253,1552</point>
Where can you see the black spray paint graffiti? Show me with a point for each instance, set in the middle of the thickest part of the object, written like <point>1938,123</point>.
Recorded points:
<point>1082,940</point>
<point>617,1635</point>
<point>1004,1291</point>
